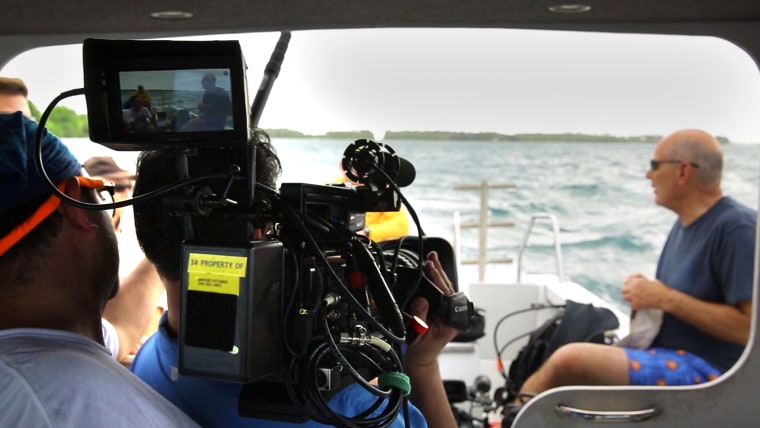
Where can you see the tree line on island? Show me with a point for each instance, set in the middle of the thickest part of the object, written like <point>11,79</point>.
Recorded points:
<point>63,121</point>
<point>478,136</point>
<point>66,123</point>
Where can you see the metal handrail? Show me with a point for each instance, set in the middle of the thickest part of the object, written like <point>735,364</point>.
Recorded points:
<point>620,416</point>
<point>482,225</point>
<point>557,245</point>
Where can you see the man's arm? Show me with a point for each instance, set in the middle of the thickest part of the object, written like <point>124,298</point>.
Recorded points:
<point>730,323</point>
<point>421,359</point>
<point>133,308</point>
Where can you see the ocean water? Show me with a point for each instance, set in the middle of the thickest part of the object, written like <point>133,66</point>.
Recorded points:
<point>609,224</point>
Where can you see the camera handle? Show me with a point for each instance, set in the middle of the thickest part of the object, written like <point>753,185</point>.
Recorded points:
<point>455,309</point>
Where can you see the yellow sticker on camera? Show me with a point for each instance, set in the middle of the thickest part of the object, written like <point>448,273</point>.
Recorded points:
<point>215,273</point>
<point>216,263</point>
<point>212,283</point>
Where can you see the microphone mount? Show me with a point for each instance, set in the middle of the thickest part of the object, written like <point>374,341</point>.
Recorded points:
<point>376,165</point>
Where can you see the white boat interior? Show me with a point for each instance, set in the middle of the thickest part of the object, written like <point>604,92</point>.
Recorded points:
<point>527,299</point>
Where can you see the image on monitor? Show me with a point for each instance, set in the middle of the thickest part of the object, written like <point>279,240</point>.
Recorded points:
<point>170,101</point>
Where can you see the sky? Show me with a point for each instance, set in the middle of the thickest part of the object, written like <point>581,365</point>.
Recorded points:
<point>477,80</point>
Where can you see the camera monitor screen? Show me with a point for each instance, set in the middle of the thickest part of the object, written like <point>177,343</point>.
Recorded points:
<point>143,95</point>
<point>176,101</point>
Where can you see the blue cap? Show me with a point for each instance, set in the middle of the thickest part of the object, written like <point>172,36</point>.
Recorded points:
<point>20,182</point>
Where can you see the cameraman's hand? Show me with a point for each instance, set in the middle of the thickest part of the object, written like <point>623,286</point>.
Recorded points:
<point>421,357</point>
<point>425,348</point>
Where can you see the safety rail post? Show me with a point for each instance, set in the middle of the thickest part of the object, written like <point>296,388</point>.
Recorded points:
<point>557,244</point>
<point>483,224</point>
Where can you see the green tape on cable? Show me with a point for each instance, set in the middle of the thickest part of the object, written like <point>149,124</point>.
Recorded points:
<point>395,380</point>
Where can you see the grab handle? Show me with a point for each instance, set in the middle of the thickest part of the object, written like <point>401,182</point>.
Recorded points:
<point>607,416</point>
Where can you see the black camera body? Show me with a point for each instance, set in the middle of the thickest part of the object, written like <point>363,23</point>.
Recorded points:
<point>230,321</point>
<point>301,313</point>
<point>312,306</point>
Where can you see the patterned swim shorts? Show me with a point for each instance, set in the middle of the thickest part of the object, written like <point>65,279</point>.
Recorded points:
<point>658,366</point>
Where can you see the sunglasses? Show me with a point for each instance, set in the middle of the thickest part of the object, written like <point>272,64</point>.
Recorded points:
<point>104,191</point>
<point>654,164</point>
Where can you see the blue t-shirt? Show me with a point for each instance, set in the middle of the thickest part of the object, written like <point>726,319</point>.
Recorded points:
<point>712,259</point>
<point>215,403</point>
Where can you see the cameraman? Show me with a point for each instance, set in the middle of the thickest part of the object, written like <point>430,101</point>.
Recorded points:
<point>215,403</point>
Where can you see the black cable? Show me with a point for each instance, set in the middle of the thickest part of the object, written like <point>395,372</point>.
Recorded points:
<point>345,293</point>
<point>319,408</point>
<point>39,165</point>
<point>496,348</point>
<point>393,395</point>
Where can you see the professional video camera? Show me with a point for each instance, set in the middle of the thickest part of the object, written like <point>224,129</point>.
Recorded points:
<point>312,307</point>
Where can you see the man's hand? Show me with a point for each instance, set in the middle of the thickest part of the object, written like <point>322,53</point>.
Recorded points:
<point>641,292</point>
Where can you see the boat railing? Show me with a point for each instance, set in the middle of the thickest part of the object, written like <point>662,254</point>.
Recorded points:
<point>557,245</point>
<point>482,225</point>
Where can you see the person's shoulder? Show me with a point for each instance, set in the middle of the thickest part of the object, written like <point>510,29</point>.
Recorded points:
<point>744,208</point>
<point>41,339</point>
<point>17,124</point>
<point>734,212</point>
<point>731,220</point>
<point>20,405</point>
<point>30,128</point>
<point>51,361</point>
<point>53,357</point>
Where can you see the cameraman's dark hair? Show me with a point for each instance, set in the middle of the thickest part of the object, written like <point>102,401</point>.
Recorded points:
<point>160,235</point>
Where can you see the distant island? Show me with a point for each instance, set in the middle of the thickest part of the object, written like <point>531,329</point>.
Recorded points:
<point>477,136</point>
<point>66,123</point>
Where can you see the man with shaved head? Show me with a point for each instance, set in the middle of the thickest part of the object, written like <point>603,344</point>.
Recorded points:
<point>703,283</point>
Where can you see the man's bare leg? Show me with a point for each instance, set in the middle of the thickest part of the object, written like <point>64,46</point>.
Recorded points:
<point>580,364</point>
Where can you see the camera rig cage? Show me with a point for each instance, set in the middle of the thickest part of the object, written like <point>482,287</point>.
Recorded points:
<point>309,309</point>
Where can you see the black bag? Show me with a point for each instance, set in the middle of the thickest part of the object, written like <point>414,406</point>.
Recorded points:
<point>575,323</point>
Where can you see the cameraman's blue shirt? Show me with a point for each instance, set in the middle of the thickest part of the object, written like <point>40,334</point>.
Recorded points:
<point>215,403</point>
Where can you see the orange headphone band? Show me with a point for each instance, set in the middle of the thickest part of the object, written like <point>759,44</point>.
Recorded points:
<point>48,207</point>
